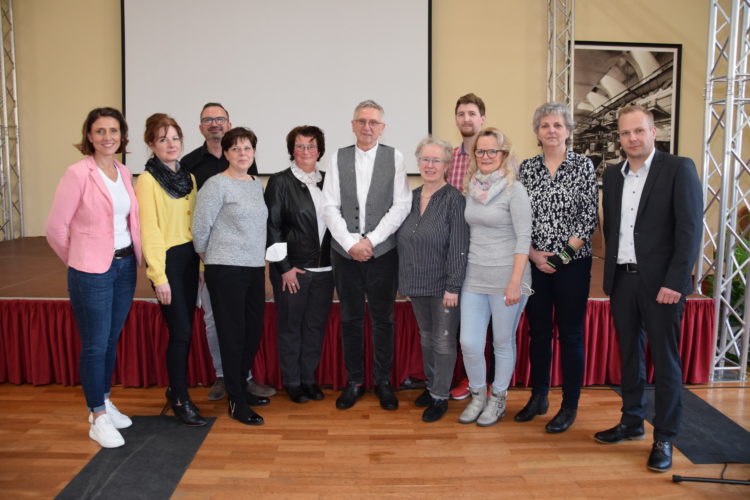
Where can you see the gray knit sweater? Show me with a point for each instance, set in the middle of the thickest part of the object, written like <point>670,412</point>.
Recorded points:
<point>229,223</point>
<point>499,230</point>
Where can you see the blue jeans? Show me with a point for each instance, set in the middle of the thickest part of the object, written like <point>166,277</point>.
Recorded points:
<point>476,309</point>
<point>101,303</point>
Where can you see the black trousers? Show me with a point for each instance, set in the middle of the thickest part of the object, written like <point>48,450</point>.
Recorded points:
<point>565,291</point>
<point>182,273</point>
<point>375,280</point>
<point>238,299</point>
<point>635,309</point>
<point>301,324</point>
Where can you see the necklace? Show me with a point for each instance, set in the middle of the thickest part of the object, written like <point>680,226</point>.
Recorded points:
<point>426,196</point>
<point>240,178</point>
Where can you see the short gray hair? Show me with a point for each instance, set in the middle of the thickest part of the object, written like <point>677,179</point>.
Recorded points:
<point>430,141</point>
<point>369,103</point>
<point>554,108</point>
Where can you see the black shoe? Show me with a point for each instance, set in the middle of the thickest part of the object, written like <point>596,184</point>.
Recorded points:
<point>660,459</point>
<point>253,400</point>
<point>243,414</point>
<point>312,391</point>
<point>349,396</point>
<point>435,411</point>
<point>537,405</point>
<point>560,422</point>
<point>423,400</point>
<point>186,411</point>
<point>388,400</point>
<point>619,433</point>
<point>295,394</point>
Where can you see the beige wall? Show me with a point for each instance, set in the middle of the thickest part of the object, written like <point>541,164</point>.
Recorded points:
<point>68,61</point>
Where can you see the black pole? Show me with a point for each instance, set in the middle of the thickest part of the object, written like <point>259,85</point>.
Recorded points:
<point>679,479</point>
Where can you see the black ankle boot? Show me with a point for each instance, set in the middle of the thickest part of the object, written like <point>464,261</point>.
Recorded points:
<point>537,405</point>
<point>241,412</point>
<point>186,411</point>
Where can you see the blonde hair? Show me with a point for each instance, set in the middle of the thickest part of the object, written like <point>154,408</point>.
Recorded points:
<point>509,165</point>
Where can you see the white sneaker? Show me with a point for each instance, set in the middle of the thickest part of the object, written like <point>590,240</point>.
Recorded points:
<point>494,410</point>
<point>475,407</point>
<point>119,420</point>
<point>103,432</point>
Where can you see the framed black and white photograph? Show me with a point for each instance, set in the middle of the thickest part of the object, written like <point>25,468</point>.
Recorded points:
<point>608,76</point>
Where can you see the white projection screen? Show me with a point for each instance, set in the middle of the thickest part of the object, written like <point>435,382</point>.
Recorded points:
<point>276,64</point>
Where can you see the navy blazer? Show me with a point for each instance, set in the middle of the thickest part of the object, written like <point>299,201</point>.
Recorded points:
<point>668,224</point>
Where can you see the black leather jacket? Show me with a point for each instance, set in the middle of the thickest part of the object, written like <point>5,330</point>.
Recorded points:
<point>292,219</point>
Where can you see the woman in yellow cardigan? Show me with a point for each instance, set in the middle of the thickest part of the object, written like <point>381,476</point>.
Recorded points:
<point>166,195</point>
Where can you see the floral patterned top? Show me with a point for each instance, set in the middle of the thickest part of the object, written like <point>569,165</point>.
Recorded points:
<point>563,205</point>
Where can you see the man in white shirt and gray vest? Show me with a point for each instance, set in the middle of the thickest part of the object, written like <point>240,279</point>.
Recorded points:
<point>366,198</point>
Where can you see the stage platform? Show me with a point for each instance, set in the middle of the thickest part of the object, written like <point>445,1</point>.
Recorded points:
<point>39,343</point>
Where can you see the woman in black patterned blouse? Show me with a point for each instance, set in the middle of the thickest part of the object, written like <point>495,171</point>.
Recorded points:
<point>563,192</point>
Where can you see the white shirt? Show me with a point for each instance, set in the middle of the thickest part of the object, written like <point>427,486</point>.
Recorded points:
<point>632,188</point>
<point>120,209</point>
<point>363,167</point>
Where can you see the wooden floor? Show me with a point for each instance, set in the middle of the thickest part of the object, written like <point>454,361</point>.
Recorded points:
<point>315,451</point>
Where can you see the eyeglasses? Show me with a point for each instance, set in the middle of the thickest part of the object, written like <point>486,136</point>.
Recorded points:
<point>238,149</point>
<point>492,153</point>
<point>372,123</point>
<point>305,147</point>
<point>431,161</point>
<point>218,120</point>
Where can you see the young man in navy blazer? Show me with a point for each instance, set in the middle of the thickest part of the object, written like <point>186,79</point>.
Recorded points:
<point>652,227</point>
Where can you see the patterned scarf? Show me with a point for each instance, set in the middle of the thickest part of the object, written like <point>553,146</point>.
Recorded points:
<point>177,184</point>
<point>484,187</point>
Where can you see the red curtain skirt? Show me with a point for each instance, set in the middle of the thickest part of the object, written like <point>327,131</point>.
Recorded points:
<point>39,344</point>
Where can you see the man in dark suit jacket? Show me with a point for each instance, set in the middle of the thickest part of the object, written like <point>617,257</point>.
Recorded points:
<point>652,225</point>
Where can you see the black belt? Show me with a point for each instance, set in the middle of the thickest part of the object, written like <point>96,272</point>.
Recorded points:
<point>629,268</point>
<point>121,253</point>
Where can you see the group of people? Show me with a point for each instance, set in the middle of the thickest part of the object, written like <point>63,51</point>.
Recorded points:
<point>482,239</point>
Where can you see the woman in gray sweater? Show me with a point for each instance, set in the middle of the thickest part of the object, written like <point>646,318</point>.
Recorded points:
<point>229,233</point>
<point>498,279</point>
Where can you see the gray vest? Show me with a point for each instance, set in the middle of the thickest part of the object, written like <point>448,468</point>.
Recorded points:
<point>379,196</point>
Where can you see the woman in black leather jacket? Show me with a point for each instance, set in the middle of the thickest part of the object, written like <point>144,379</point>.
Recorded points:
<point>299,249</point>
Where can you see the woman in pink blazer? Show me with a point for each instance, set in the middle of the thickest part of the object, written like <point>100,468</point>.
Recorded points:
<point>93,227</point>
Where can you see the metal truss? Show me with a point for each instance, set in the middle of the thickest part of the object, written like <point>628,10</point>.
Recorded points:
<point>11,196</point>
<point>560,50</point>
<point>726,184</point>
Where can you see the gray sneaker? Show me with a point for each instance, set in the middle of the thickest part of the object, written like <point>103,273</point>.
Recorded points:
<point>218,390</point>
<point>260,390</point>
<point>494,410</point>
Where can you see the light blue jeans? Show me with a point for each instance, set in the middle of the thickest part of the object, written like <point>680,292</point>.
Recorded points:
<point>476,309</point>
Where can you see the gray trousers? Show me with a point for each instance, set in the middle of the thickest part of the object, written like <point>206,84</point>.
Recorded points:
<point>437,332</point>
<point>211,337</point>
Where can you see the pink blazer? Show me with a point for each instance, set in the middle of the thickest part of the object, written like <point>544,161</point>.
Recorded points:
<point>79,227</point>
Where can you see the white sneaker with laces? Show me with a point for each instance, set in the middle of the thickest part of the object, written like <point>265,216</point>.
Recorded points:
<point>103,432</point>
<point>119,420</point>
